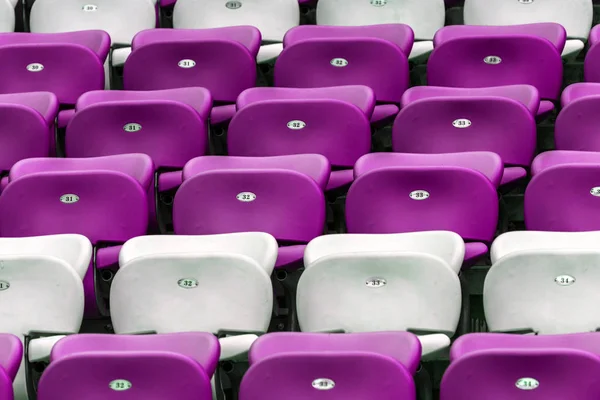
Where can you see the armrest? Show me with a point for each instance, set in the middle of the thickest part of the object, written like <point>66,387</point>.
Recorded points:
<point>268,52</point>
<point>40,348</point>
<point>572,49</point>
<point>235,348</point>
<point>432,345</point>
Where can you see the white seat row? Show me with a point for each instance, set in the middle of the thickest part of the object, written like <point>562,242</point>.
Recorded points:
<point>545,282</point>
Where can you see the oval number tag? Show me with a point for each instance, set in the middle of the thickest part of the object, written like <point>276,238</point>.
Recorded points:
<point>527,384</point>
<point>595,191</point>
<point>323,384</point>
<point>564,280</point>
<point>132,127</point>
<point>233,5</point>
<point>119,385</point>
<point>187,283</point>
<point>35,67</point>
<point>339,62</point>
<point>296,124</point>
<point>186,64</point>
<point>69,198</point>
<point>89,8</point>
<point>461,123</point>
<point>493,60</point>
<point>419,195</point>
<point>246,197</point>
<point>4,285</point>
<point>378,3</point>
<point>376,282</point>
<point>525,1</point>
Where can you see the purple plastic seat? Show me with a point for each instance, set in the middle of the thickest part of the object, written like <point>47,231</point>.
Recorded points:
<point>577,123</point>
<point>223,60</point>
<point>497,119</point>
<point>373,55</point>
<point>281,121</point>
<point>483,56</point>
<point>35,62</point>
<point>127,366</point>
<point>283,365</point>
<point>11,352</point>
<point>564,194</point>
<point>101,198</point>
<point>282,196</point>
<point>395,193</point>
<point>591,66</point>
<point>502,366</point>
<point>26,126</point>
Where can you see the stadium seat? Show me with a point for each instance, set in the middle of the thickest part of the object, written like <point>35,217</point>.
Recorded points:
<point>281,121</point>
<point>121,19</point>
<point>102,198</point>
<point>282,196</point>
<point>7,15</point>
<point>11,353</point>
<point>367,279</point>
<point>36,63</point>
<point>41,290</point>
<point>221,60</point>
<point>577,122</point>
<point>396,192</point>
<point>26,127</point>
<point>502,366</point>
<point>484,56</point>
<point>564,193</point>
<point>497,119</point>
<point>304,365</point>
<point>112,366</point>
<point>272,18</point>
<point>424,17</point>
<point>574,15</point>
<point>373,56</point>
<point>541,282</point>
<point>592,58</point>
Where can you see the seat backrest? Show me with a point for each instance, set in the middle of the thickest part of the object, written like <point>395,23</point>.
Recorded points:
<point>473,56</point>
<point>24,133</point>
<point>577,124</point>
<point>425,17</point>
<point>339,61</point>
<point>297,126</point>
<point>170,132</point>
<point>36,67</point>
<point>423,198</point>
<point>547,291</point>
<point>125,374</point>
<point>459,123</point>
<point>306,375</point>
<point>574,15</point>
<point>206,292</point>
<point>284,203</point>
<point>522,373</point>
<point>379,291</point>
<point>225,67</point>
<point>105,206</point>
<point>564,198</point>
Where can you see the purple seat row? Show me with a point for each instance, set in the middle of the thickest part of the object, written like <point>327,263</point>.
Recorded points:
<point>312,365</point>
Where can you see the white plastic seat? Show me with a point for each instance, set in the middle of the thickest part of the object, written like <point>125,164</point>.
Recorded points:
<point>206,283</point>
<point>425,17</point>
<point>385,284</point>
<point>41,290</point>
<point>544,281</point>
<point>574,15</point>
<point>273,18</point>
<point>121,19</point>
<point>7,15</point>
